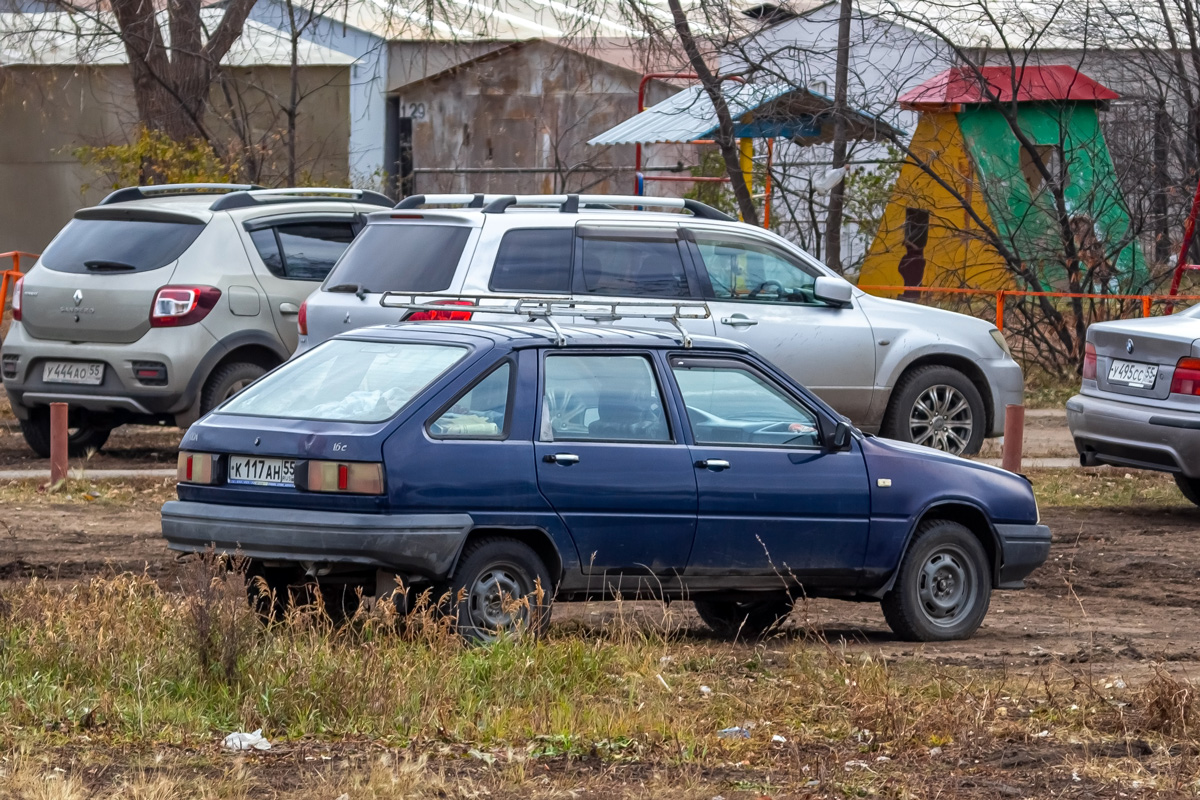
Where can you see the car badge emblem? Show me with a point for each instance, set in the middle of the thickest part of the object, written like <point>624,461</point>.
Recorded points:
<point>256,441</point>
<point>77,297</point>
<point>1129,345</point>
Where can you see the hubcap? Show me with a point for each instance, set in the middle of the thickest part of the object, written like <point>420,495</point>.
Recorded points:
<point>941,418</point>
<point>947,586</point>
<point>493,601</point>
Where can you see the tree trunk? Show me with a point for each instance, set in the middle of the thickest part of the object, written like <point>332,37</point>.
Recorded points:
<point>725,139</point>
<point>833,217</point>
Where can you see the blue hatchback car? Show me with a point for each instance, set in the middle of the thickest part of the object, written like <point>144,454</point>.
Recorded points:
<point>512,464</point>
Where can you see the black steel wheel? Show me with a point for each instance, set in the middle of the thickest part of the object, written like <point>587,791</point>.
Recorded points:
<point>944,586</point>
<point>502,587</point>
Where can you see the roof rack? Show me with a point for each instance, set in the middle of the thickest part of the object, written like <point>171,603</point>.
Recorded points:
<point>466,200</point>
<point>546,309</point>
<point>129,193</point>
<point>253,196</point>
<point>571,203</point>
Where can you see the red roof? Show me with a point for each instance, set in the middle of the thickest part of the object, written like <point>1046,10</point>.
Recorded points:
<point>965,85</point>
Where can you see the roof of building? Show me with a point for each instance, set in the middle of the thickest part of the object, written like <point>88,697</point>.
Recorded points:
<point>62,38</point>
<point>776,110</point>
<point>979,85</point>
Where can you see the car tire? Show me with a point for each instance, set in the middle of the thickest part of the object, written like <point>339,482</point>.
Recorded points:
<point>944,585</point>
<point>913,412</point>
<point>493,574</point>
<point>1189,486</point>
<point>82,439</point>
<point>227,381</point>
<point>737,617</point>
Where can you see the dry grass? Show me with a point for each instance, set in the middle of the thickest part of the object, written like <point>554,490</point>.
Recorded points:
<point>120,672</point>
<point>1100,487</point>
<point>129,493</point>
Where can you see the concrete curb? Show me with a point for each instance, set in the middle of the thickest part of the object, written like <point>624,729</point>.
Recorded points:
<point>89,474</point>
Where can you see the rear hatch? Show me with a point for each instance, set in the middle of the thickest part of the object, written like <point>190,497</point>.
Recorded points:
<point>412,252</point>
<point>97,280</point>
<point>1137,357</point>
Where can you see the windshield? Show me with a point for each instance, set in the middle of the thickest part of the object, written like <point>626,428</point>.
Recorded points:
<point>347,381</point>
<point>118,245</point>
<point>404,257</point>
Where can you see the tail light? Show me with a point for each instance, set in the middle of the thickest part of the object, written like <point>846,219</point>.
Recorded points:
<point>1186,379</point>
<point>18,288</point>
<point>302,319</point>
<point>350,477</point>
<point>196,468</point>
<point>1089,361</point>
<point>175,306</point>
<point>441,316</point>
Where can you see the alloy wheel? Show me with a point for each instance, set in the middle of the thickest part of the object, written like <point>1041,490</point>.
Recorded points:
<point>941,417</point>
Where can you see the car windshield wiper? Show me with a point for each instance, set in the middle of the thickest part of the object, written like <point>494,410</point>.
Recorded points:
<point>104,265</point>
<point>347,288</point>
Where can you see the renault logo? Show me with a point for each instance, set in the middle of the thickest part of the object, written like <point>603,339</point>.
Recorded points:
<point>1129,345</point>
<point>77,297</point>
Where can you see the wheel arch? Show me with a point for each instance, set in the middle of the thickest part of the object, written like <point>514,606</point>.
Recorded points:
<point>954,361</point>
<point>967,514</point>
<point>255,347</point>
<point>537,539</point>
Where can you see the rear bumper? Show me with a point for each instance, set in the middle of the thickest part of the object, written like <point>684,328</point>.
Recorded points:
<point>424,544</point>
<point>1131,435</point>
<point>1023,548</point>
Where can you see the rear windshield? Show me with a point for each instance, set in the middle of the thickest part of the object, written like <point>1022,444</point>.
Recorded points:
<point>347,381</point>
<point>118,245</point>
<point>401,258</point>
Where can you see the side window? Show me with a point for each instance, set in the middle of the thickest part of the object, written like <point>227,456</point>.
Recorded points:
<point>729,403</point>
<point>602,398</point>
<point>480,412</point>
<point>534,260</point>
<point>634,267</point>
<point>743,270</point>
<point>303,251</point>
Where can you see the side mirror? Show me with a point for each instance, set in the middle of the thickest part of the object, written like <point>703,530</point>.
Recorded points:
<point>834,291</point>
<point>841,436</point>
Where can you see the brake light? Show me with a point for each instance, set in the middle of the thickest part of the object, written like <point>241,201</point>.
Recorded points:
<point>1186,379</point>
<point>18,287</point>
<point>441,316</point>
<point>1089,361</point>
<point>302,319</point>
<point>182,305</point>
<point>351,477</point>
<point>196,468</point>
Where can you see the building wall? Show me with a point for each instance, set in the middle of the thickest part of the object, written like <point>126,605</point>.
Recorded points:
<point>533,107</point>
<point>48,112</point>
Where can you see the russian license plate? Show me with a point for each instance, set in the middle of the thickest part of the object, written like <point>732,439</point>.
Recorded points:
<point>73,372</point>
<point>1129,373</point>
<point>251,471</point>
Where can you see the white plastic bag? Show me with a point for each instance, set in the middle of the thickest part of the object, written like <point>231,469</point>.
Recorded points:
<point>246,741</point>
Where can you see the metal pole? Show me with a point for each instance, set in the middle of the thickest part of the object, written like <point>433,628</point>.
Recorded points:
<point>58,442</point>
<point>1014,437</point>
<point>833,219</point>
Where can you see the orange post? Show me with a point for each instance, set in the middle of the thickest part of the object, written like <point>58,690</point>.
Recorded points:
<point>1145,305</point>
<point>58,442</point>
<point>1000,310</point>
<point>1014,437</point>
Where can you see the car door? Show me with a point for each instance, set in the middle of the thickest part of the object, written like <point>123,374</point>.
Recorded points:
<point>762,296</point>
<point>611,466</point>
<point>638,263</point>
<point>772,499</point>
<point>295,253</point>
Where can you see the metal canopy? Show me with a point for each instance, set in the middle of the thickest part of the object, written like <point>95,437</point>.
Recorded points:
<point>760,111</point>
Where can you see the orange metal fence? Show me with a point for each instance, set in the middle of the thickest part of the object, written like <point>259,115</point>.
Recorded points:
<point>10,276</point>
<point>1147,300</point>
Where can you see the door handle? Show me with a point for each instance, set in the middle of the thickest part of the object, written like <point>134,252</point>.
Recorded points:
<point>714,464</point>
<point>562,459</point>
<point>738,319</point>
<point>289,309</point>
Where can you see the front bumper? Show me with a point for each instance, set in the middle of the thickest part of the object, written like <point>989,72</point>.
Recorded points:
<point>1132,435</point>
<point>424,544</point>
<point>1007,383</point>
<point>1023,548</point>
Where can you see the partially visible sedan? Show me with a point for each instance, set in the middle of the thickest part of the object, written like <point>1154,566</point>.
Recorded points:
<point>1139,405</point>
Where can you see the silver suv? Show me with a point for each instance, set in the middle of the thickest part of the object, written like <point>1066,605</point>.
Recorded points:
<point>162,301</point>
<point>910,372</point>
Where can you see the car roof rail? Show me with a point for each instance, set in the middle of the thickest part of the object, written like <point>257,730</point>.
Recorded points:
<point>298,194</point>
<point>571,203</point>
<point>129,193</point>
<point>546,309</point>
<point>465,200</point>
